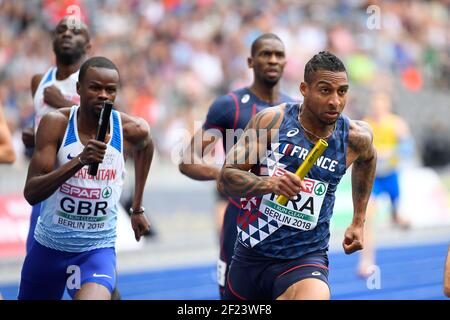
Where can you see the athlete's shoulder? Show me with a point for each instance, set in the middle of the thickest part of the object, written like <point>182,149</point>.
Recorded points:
<point>134,128</point>
<point>360,138</point>
<point>227,100</point>
<point>240,93</point>
<point>222,111</point>
<point>61,114</point>
<point>233,98</point>
<point>360,128</point>
<point>270,118</point>
<point>54,123</point>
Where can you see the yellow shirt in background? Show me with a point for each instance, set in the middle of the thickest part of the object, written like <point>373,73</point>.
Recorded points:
<point>386,141</point>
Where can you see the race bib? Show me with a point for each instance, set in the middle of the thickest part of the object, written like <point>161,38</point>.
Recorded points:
<point>82,208</point>
<point>301,213</point>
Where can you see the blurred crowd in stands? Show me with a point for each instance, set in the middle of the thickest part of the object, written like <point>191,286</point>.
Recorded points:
<point>175,56</point>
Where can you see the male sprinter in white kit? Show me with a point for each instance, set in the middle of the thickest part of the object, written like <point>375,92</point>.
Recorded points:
<point>76,231</point>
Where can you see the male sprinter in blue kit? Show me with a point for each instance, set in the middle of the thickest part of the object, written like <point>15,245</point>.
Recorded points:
<point>76,231</point>
<point>232,112</point>
<point>281,252</point>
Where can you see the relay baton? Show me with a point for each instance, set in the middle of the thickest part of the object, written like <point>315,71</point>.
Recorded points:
<point>103,123</point>
<point>306,165</point>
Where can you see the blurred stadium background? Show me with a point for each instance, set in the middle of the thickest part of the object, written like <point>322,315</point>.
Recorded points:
<point>175,56</point>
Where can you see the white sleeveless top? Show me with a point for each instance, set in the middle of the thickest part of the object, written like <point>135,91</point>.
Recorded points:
<point>82,214</point>
<point>68,88</point>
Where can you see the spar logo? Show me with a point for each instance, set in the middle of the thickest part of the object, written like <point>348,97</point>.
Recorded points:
<point>107,192</point>
<point>80,193</point>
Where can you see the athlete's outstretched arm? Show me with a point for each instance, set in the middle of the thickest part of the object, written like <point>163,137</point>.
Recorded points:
<point>192,160</point>
<point>362,151</point>
<point>235,178</point>
<point>43,179</point>
<point>197,161</point>
<point>137,133</point>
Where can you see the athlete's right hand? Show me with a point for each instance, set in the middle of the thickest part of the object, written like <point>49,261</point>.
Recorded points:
<point>93,152</point>
<point>288,185</point>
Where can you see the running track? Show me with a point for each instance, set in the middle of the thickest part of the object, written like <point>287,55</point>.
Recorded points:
<point>409,272</point>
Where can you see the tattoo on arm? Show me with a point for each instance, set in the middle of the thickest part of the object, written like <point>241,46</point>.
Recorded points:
<point>361,141</point>
<point>237,182</point>
<point>363,172</point>
<point>255,139</point>
<point>272,123</point>
<point>235,178</point>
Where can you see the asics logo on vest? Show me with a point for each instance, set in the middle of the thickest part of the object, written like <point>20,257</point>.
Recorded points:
<point>292,132</point>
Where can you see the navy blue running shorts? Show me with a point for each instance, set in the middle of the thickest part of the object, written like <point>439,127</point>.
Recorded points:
<point>255,277</point>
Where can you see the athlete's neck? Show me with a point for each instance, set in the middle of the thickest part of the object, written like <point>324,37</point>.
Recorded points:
<point>313,125</point>
<point>87,123</point>
<point>63,71</point>
<point>264,93</point>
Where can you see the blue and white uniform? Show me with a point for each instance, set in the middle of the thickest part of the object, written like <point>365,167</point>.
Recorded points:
<point>68,88</point>
<point>280,245</point>
<point>69,91</point>
<point>77,224</point>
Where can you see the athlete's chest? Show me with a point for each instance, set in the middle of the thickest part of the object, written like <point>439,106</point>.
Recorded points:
<point>292,148</point>
<point>287,155</point>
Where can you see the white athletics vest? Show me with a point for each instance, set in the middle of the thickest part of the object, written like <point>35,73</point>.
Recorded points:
<point>82,214</point>
<point>68,88</point>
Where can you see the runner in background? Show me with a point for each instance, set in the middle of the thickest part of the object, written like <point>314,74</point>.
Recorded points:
<point>392,139</point>
<point>56,88</point>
